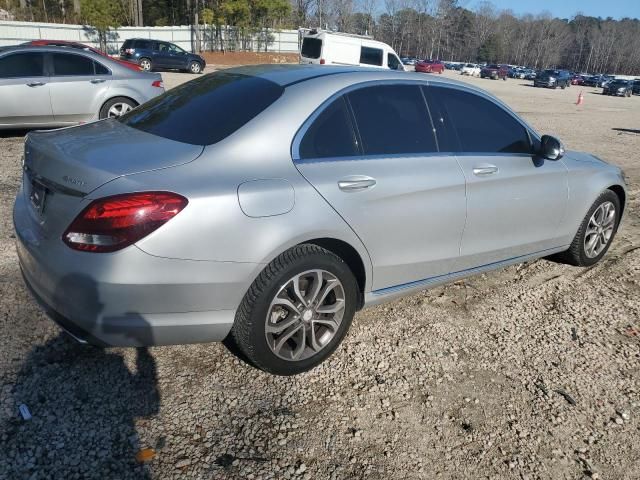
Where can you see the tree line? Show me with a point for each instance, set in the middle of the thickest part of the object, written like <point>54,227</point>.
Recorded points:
<point>441,29</point>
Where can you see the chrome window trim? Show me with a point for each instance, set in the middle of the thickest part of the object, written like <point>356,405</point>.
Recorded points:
<point>297,138</point>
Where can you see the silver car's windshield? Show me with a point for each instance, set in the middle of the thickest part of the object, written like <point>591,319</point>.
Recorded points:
<point>206,110</point>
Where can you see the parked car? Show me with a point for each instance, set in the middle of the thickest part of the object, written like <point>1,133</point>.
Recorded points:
<point>429,66</point>
<point>530,74</point>
<point>470,69</point>
<point>81,46</point>
<point>618,87</point>
<point>322,47</point>
<point>408,60</point>
<point>494,72</point>
<point>577,80</point>
<point>157,54</point>
<point>636,86</point>
<point>58,86</point>
<point>553,79</point>
<point>189,236</point>
<point>516,73</point>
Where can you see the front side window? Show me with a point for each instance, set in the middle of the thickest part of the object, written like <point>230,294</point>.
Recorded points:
<point>175,49</point>
<point>69,64</point>
<point>392,119</point>
<point>205,110</point>
<point>480,125</point>
<point>371,56</point>
<point>24,64</point>
<point>331,134</point>
<point>393,62</point>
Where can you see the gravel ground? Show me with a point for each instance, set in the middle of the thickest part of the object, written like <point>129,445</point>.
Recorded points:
<point>530,372</point>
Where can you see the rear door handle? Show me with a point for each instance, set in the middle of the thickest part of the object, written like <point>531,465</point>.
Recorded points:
<point>35,84</point>
<point>484,170</point>
<point>355,183</point>
<point>97,80</point>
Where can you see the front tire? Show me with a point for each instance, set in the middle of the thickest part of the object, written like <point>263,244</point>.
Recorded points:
<point>195,67</point>
<point>296,313</point>
<point>596,232</point>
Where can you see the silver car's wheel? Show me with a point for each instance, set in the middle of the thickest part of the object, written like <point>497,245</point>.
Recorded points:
<point>118,109</point>
<point>296,313</point>
<point>599,229</point>
<point>305,315</point>
<point>596,232</point>
<point>145,64</point>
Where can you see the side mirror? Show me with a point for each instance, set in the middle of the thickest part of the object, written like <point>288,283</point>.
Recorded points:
<point>551,148</point>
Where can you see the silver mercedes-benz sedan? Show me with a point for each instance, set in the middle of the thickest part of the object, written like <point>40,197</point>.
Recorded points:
<point>58,86</point>
<point>266,205</point>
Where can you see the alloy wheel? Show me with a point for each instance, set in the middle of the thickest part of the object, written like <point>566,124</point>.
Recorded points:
<point>195,67</point>
<point>118,109</point>
<point>305,315</point>
<point>146,65</point>
<point>599,229</point>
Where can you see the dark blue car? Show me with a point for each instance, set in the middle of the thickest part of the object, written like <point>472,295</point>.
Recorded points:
<point>160,55</point>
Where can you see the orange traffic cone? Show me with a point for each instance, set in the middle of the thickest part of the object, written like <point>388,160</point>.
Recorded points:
<point>580,98</point>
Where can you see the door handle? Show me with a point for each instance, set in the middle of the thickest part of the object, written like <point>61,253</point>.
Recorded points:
<point>356,183</point>
<point>485,170</point>
<point>35,84</point>
<point>97,80</point>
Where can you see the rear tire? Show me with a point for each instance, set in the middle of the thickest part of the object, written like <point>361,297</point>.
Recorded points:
<point>116,107</point>
<point>145,64</point>
<point>280,326</point>
<point>599,226</point>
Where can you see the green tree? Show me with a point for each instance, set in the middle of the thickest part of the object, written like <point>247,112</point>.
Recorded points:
<point>101,15</point>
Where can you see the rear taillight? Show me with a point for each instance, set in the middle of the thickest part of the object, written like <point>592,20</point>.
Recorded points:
<point>322,62</point>
<point>158,84</point>
<point>112,223</point>
<point>129,51</point>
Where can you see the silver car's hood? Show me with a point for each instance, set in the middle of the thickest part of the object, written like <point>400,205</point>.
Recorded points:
<point>85,157</point>
<point>583,157</point>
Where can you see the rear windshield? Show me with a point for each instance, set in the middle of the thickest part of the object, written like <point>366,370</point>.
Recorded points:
<point>206,110</point>
<point>311,47</point>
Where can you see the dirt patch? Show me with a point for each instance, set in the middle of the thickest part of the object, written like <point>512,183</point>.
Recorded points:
<point>248,58</point>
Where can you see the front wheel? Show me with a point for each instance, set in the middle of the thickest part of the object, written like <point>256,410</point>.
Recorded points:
<point>195,67</point>
<point>296,313</point>
<point>596,231</point>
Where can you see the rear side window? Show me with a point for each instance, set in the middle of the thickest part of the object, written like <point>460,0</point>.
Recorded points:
<point>205,110</point>
<point>331,134</point>
<point>146,44</point>
<point>101,69</point>
<point>311,47</point>
<point>68,64</point>
<point>480,125</point>
<point>371,56</point>
<point>392,119</point>
<point>27,64</point>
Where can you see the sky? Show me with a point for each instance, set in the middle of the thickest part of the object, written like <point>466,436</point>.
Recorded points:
<point>567,8</point>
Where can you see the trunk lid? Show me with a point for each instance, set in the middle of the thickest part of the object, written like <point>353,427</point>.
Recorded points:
<point>63,166</point>
<point>81,159</point>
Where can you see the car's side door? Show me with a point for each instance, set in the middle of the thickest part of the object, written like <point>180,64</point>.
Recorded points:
<point>177,57</point>
<point>163,55</point>
<point>78,86</point>
<point>24,90</point>
<point>515,198</point>
<point>371,153</point>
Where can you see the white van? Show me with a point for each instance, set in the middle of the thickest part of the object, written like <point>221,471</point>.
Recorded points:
<point>333,48</point>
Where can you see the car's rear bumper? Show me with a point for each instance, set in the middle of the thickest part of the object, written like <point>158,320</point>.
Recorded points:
<point>129,298</point>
